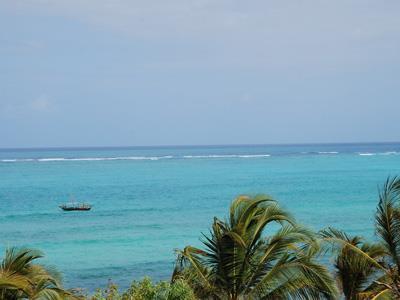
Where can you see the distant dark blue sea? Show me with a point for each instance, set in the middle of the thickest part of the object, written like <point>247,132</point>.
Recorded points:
<point>148,201</point>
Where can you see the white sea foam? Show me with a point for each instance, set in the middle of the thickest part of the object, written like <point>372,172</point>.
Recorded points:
<point>88,159</point>
<point>380,153</point>
<point>119,158</point>
<point>254,156</point>
<point>328,152</point>
<point>60,159</point>
<point>51,159</point>
<point>390,153</point>
<point>64,159</point>
<point>17,160</point>
<point>115,158</point>
<point>228,156</point>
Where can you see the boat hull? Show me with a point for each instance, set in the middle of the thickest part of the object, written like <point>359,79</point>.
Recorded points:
<point>75,208</point>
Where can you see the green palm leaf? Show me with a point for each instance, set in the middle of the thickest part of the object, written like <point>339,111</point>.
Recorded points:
<point>21,278</point>
<point>241,261</point>
<point>388,218</point>
<point>358,264</point>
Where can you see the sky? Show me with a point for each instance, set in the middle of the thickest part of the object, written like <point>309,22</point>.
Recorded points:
<point>198,72</point>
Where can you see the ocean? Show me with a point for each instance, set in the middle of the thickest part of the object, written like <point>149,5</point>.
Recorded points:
<point>149,201</point>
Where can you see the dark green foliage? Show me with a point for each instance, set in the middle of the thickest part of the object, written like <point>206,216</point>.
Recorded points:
<point>21,278</point>
<point>240,261</point>
<point>371,271</point>
<point>357,264</point>
<point>388,230</point>
<point>147,290</point>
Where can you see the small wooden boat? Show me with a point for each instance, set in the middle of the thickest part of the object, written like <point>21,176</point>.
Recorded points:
<point>75,207</point>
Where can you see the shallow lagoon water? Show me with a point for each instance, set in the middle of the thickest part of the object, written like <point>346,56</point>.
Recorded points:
<point>150,201</point>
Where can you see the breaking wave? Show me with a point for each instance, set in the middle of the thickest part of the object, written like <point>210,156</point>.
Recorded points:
<point>228,156</point>
<point>328,152</point>
<point>380,153</point>
<point>390,153</point>
<point>165,157</point>
<point>58,159</point>
<point>61,159</point>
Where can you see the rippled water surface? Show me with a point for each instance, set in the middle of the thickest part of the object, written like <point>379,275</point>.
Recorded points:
<point>149,201</point>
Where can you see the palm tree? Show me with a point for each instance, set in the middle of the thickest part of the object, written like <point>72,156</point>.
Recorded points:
<point>21,278</point>
<point>260,252</point>
<point>387,222</point>
<point>372,271</point>
<point>355,273</point>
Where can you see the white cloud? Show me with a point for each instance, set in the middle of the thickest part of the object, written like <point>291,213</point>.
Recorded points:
<point>260,34</point>
<point>41,104</point>
<point>246,98</point>
<point>256,34</point>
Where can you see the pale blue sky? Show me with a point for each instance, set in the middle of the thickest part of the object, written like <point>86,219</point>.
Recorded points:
<point>108,73</point>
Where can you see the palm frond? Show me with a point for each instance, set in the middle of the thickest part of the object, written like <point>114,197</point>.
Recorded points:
<point>387,218</point>
<point>22,278</point>
<point>357,263</point>
<point>240,260</point>
<point>336,237</point>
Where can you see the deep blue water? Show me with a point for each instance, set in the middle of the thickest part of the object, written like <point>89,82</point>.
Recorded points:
<point>150,201</point>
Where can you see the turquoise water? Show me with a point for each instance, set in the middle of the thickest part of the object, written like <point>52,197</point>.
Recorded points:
<point>150,201</point>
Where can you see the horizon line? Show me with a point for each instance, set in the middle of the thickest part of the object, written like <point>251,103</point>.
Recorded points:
<point>195,145</point>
